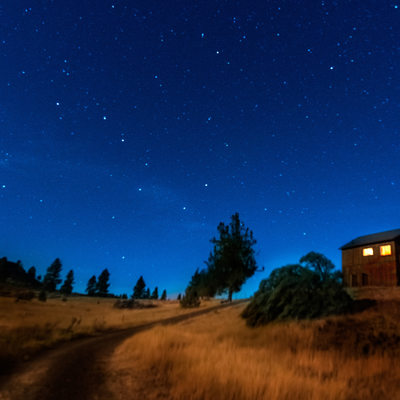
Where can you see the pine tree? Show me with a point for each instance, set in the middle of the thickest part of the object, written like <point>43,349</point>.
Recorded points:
<point>147,294</point>
<point>102,283</point>
<point>91,286</point>
<point>179,297</point>
<point>139,289</point>
<point>32,273</point>
<point>190,299</point>
<point>232,260</point>
<point>66,288</point>
<point>154,295</point>
<point>164,295</point>
<point>52,277</point>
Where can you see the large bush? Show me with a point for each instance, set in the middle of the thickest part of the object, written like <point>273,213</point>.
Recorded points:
<point>296,292</point>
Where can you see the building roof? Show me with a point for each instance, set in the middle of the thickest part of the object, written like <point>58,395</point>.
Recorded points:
<point>373,238</point>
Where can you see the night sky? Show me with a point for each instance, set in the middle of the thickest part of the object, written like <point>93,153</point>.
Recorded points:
<point>130,129</point>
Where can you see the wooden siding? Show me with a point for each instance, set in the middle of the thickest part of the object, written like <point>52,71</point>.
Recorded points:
<point>375,270</point>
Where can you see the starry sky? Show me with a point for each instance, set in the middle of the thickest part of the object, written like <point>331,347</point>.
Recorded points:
<point>130,129</point>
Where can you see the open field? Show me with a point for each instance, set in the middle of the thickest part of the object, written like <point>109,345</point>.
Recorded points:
<point>28,326</point>
<point>217,356</point>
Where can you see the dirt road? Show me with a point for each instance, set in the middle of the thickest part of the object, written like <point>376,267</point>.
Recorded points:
<point>75,370</point>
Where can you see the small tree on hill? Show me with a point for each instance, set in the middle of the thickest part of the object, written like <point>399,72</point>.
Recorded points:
<point>52,277</point>
<point>318,263</point>
<point>139,289</point>
<point>154,295</point>
<point>147,294</point>
<point>232,260</point>
<point>164,295</point>
<point>66,287</point>
<point>102,283</point>
<point>91,286</point>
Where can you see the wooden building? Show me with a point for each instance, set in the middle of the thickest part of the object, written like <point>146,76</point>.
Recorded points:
<point>372,260</point>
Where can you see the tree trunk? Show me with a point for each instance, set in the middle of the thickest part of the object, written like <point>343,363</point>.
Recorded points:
<point>230,296</point>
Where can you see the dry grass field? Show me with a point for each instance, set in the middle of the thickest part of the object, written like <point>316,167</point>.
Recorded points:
<point>217,356</point>
<point>28,326</point>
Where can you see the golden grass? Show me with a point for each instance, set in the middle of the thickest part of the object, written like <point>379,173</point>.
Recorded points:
<point>217,356</point>
<point>27,326</point>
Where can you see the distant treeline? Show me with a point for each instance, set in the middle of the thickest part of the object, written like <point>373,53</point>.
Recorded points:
<point>14,274</point>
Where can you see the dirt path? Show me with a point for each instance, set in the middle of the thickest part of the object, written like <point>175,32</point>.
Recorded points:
<point>75,370</point>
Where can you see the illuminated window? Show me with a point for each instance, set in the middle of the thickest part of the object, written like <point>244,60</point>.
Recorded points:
<point>369,251</point>
<point>386,250</point>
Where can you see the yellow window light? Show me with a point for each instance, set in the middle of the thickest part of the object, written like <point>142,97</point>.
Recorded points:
<point>369,251</point>
<point>386,250</point>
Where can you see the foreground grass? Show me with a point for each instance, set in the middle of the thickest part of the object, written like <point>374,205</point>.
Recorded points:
<point>218,357</point>
<point>26,327</point>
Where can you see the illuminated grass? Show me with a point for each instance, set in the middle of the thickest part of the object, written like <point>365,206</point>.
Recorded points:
<point>217,356</point>
<point>26,327</point>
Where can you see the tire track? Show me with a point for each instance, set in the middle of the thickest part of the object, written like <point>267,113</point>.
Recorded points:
<point>76,370</point>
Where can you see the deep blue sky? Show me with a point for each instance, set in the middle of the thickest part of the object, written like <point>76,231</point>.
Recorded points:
<point>130,129</point>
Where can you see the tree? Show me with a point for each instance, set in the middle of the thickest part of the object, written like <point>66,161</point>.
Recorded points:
<point>204,282</point>
<point>179,297</point>
<point>139,289</point>
<point>52,277</point>
<point>154,295</point>
<point>319,263</point>
<point>102,283</point>
<point>91,286</point>
<point>164,295</point>
<point>190,299</point>
<point>32,273</point>
<point>147,294</point>
<point>232,259</point>
<point>66,288</point>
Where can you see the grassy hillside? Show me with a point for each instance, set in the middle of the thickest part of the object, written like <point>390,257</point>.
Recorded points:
<point>218,357</point>
<point>26,327</point>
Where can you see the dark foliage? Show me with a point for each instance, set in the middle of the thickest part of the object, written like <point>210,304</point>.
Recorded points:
<point>139,289</point>
<point>42,295</point>
<point>232,260</point>
<point>320,264</point>
<point>164,295</point>
<point>179,297</point>
<point>32,273</point>
<point>124,296</point>
<point>296,292</point>
<point>52,277</point>
<point>28,296</point>
<point>66,287</point>
<point>190,299</point>
<point>132,303</point>
<point>154,295</point>
<point>204,282</point>
<point>14,274</point>
<point>102,283</point>
<point>91,286</point>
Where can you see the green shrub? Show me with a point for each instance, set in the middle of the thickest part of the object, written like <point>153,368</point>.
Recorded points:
<point>296,292</point>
